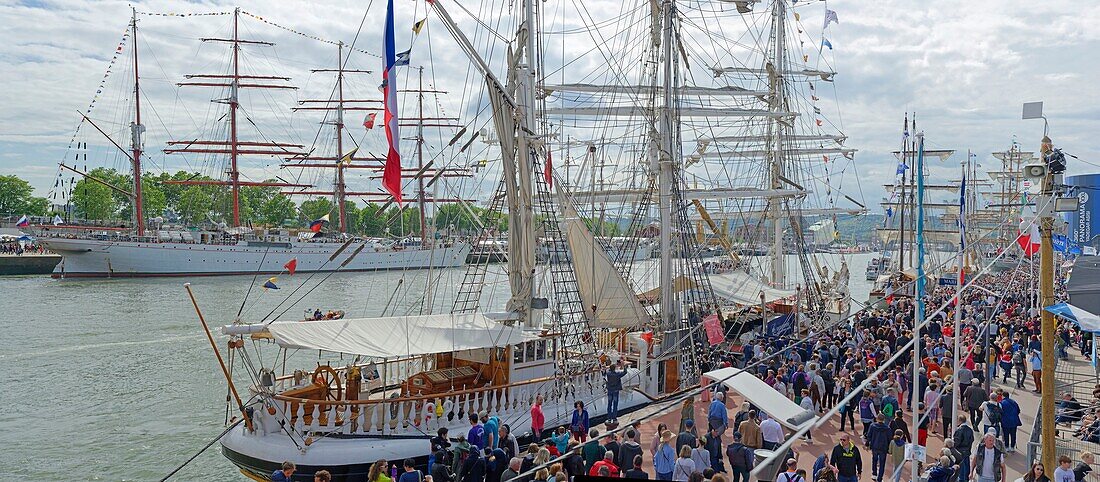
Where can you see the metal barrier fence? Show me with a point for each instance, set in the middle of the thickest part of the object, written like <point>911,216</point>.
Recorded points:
<point>1079,378</point>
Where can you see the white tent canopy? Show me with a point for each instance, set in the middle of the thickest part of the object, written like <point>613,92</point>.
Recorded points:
<point>399,335</point>
<point>743,288</point>
<point>753,389</point>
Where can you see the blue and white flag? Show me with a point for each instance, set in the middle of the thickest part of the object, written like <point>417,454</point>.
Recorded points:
<point>901,168</point>
<point>826,43</point>
<point>403,58</point>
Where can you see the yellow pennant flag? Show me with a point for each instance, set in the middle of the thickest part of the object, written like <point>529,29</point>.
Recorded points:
<point>797,17</point>
<point>419,25</point>
<point>346,160</point>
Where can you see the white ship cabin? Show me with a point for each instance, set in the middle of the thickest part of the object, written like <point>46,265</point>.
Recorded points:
<point>414,374</point>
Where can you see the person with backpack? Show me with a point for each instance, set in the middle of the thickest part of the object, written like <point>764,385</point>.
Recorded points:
<point>410,474</point>
<point>1020,364</point>
<point>992,411</point>
<point>846,458</point>
<point>742,459</point>
<point>792,474</point>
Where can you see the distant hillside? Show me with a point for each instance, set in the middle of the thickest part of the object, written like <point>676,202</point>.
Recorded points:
<point>859,229</point>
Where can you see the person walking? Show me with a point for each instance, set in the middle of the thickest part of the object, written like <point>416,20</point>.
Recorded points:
<point>878,438</point>
<point>741,458</point>
<point>687,438</point>
<point>664,460</point>
<point>579,423</point>
<point>897,454</point>
<point>636,471</point>
<point>771,433</point>
<point>701,456</point>
<point>964,443</point>
<point>975,398</point>
<point>750,432</point>
<point>1010,421</point>
<point>717,416</point>
<point>684,466</point>
<point>988,461</point>
<point>847,459</point>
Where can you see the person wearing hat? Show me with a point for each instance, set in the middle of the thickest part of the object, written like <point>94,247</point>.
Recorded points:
<point>664,460</point>
<point>687,438</point>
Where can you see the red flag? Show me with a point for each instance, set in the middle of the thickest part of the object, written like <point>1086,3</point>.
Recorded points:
<point>391,175</point>
<point>548,171</point>
<point>818,122</point>
<point>291,265</point>
<point>368,122</point>
<point>713,328</point>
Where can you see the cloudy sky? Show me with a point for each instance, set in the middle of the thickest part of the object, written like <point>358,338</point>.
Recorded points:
<point>965,68</point>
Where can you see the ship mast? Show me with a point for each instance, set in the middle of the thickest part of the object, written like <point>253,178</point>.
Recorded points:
<point>234,147</point>
<point>420,160</point>
<point>339,187</point>
<point>136,130</point>
<point>667,152</point>
<point>778,103</point>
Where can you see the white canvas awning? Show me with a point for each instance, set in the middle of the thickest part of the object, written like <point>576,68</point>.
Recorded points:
<point>753,389</point>
<point>743,288</point>
<point>397,336</point>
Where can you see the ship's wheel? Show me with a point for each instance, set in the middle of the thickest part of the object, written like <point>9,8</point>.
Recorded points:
<point>325,376</point>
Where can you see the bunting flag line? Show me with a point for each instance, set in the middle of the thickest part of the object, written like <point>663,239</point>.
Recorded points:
<point>291,265</point>
<point>826,43</point>
<point>830,17</point>
<point>368,121</point>
<point>270,283</point>
<point>391,175</point>
<point>306,35</point>
<point>419,25</point>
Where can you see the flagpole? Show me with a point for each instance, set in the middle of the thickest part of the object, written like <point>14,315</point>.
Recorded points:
<point>959,261</point>
<point>918,296</point>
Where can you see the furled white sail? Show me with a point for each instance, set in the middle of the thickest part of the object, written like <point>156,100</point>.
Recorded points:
<point>743,288</point>
<point>608,299</point>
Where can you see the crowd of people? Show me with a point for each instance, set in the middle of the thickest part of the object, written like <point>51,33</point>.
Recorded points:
<point>21,247</point>
<point>998,340</point>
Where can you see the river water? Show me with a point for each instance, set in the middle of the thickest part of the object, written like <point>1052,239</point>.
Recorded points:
<point>115,380</point>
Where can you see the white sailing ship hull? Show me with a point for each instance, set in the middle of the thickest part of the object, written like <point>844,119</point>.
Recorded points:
<point>349,456</point>
<point>107,258</point>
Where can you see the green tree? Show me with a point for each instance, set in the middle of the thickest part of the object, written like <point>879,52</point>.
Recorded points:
<point>17,199</point>
<point>455,215</point>
<point>371,221</point>
<point>95,201</point>
<point>194,204</point>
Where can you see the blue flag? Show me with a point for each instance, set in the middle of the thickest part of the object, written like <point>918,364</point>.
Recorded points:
<point>270,284</point>
<point>403,58</point>
<point>826,43</point>
<point>901,168</point>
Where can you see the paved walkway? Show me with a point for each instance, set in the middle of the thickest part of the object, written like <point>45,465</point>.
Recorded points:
<point>827,436</point>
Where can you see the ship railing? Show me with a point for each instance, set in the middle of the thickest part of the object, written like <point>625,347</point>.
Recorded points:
<point>422,415</point>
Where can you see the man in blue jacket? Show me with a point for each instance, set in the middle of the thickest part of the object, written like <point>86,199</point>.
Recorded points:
<point>878,437</point>
<point>1010,421</point>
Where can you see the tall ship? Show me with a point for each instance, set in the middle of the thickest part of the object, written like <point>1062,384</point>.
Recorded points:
<point>158,247</point>
<point>571,300</point>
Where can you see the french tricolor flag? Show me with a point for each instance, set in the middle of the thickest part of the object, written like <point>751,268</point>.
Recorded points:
<point>391,176</point>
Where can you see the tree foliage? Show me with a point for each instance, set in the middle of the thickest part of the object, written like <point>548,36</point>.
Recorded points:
<point>17,198</point>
